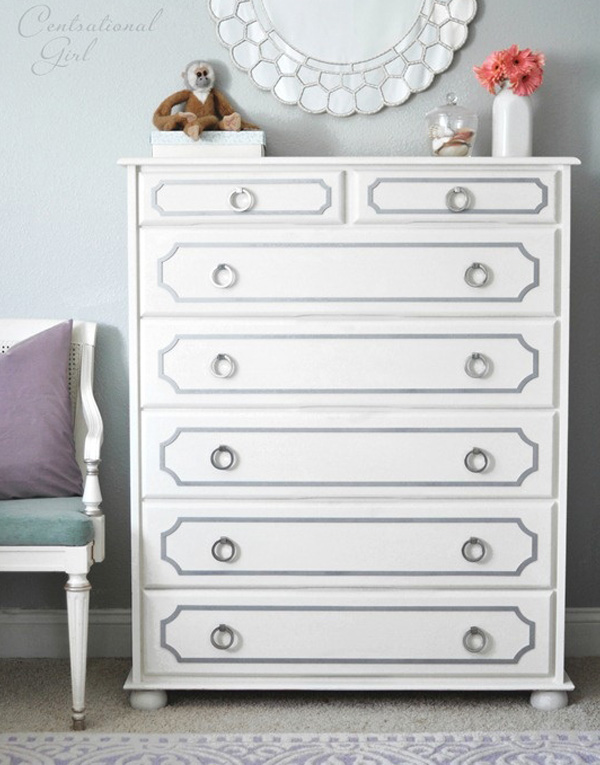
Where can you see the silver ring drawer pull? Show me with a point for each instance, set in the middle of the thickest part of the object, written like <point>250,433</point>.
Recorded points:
<point>223,276</point>
<point>220,547</point>
<point>241,199</point>
<point>476,461</point>
<point>218,463</point>
<point>219,641</point>
<point>477,366</point>
<point>459,199</point>
<point>222,366</point>
<point>473,550</point>
<point>477,275</point>
<point>475,640</point>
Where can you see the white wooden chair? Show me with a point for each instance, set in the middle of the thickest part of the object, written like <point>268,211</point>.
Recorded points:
<point>77,560</point>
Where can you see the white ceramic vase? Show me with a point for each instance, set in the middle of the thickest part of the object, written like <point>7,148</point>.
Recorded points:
<point>512,118</point>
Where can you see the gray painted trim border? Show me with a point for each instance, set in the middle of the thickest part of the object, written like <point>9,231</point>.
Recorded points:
<point>453,182</point>
<point>533,557</point>
<point>518,431</point>
<point>162,375</point>
<point>234,182</point>
<point>349,245</point>
<point>355,609</point>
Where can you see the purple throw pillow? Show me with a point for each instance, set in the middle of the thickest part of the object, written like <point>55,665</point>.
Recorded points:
<point>37,448</point>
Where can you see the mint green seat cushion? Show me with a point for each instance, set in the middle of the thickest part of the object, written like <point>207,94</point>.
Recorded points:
<point>55,521</point>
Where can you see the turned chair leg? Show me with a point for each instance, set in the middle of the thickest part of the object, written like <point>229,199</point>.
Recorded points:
<point>78,598</point>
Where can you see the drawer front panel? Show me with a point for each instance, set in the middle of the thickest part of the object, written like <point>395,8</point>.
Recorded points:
<point>417,271</point>
<point>483,546</point>
<point>517,196</point>
<point>346,633</point>
<point>172,197</point>
<point>216,452</point>
<point>278,363</point>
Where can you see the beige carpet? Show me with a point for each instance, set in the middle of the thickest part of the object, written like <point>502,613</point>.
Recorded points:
<point>35,696</point>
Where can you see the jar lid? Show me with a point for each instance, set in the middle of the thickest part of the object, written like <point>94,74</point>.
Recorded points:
<point>450,107</point>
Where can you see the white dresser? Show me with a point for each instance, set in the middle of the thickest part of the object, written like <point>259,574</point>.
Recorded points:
<point>349,392</point>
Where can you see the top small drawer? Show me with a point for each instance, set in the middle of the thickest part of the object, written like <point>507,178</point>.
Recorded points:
<point>170,197</point>
<point>389,197</point>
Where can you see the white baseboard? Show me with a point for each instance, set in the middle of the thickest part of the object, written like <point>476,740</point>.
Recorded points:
<point>43,634</point>
<point>583,632</point>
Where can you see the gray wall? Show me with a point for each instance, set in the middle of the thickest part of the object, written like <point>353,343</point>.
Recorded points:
<point>62,202</point>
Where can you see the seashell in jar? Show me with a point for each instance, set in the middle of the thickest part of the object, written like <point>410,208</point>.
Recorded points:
<point>437,131</point>
<point>438,143</point>
<point>464,135</point>
<point>454,148</point>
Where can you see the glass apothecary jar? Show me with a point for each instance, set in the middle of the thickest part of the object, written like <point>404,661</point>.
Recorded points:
<point>451,129</point>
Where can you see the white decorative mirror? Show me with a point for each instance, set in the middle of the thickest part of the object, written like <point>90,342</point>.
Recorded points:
<point>343,56</point>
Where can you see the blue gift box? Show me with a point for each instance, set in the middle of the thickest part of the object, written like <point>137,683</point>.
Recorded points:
<point>216,143</point>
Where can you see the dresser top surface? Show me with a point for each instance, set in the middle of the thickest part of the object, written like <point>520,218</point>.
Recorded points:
<point>274,162</point>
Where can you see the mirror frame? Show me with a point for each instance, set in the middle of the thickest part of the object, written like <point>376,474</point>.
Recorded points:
<point>364,86</point>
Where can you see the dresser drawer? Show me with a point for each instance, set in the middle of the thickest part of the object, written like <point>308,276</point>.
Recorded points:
<point>341,632</point>
<point>289,544</point>
<point>389,196</point>
<point>286,453</point>
<point>403,270</point>
<point>190,197</point>
<point>286,362</point>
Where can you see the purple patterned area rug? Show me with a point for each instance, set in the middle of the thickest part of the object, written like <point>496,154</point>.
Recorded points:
<point>535,748</point>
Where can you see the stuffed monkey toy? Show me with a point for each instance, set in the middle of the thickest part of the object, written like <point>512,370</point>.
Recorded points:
<point>205,108</point>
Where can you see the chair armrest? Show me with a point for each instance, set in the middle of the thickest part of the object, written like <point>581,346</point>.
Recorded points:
<point>92,496</point>
<point>89,407</point>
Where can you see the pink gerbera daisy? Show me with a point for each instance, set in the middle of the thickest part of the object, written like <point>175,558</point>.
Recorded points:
<point>521,70</point>
<point>517,62</point>
<point>491,72</point>
<point>539,59</point>
<point>527,82</point>
<point>495,61</point>
<point>486,77</point>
